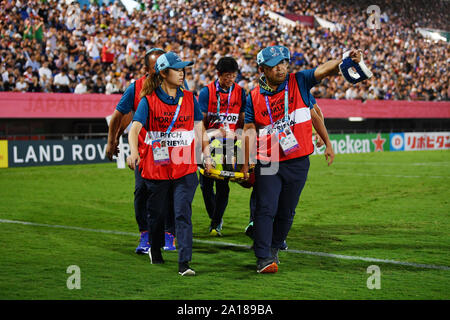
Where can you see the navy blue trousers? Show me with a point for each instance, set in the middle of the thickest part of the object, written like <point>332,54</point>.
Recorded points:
<point>140,201</point>
<point>217,202</point>
<point>182,191</point>
<point>141,204</point>
<point>252,205</point>
<point>277,196</point>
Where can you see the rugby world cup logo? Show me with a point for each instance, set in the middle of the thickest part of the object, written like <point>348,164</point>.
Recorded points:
<point>274,52</point>
<point>156,144</point>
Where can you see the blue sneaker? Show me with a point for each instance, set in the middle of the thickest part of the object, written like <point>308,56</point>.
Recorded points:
<point>249,231</point>
<point>219,227</point>
<point>170,242</point>
<point>144,244</point>
<point>284,246</point>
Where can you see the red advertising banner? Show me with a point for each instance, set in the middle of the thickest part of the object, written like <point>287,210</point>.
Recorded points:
<point>68,105</point>
<point>56,105</point>
<point>377,109</point>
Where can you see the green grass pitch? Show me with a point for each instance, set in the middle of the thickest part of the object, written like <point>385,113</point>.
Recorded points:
<point>380,205</point>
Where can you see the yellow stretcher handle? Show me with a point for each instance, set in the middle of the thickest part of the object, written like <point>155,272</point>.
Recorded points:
<point>221,175</point>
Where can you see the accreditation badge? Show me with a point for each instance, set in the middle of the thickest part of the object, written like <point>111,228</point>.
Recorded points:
<point>287,140</point>
<point>160,152</point>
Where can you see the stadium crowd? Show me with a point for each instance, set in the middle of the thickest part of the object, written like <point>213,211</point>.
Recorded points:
<point>59,46</point>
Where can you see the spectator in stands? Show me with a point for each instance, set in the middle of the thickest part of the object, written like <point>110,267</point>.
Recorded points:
<point>92,49</point>
<point>81,87</point>
<point>39,29</point>
<point>29,31</point>
<point>397,52</point>
<point>34,85</point>
<point>72,79</point>
<point>98,86</point>
<point>45,83</point>
<point>4,72</point>
<point>62,61</point>
<point>72,63</point>
<point>61,82</point>
<point>107,53</point>
<point>131,51</point>
<point>32,61</point>
<point>28,75</point>
<point>112,87</point>
<point>10,83</point>
<point>21,85</point>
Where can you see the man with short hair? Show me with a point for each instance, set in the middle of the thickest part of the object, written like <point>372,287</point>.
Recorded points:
<point>279,119</point>
<point>28,75</point>
<point>61,82</point>
<point>223,106</point>
<point>21,85</point>
<point>249,230</point>
<point>81,87</point>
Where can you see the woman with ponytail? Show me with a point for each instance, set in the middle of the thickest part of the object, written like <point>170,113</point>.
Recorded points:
<point>120,120</point>
<point>173,120</point>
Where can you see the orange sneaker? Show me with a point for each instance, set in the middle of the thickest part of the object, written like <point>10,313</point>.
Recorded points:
<point>266,266</point>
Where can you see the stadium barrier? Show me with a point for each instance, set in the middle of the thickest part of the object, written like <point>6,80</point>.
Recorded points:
<point>56,105</point>
<point>17,153</point>
<point>93,106</point>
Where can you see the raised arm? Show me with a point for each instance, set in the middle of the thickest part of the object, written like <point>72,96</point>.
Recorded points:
<point>331,67</point>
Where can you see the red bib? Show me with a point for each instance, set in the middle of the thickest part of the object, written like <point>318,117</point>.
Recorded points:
<point>234,108</point>
<point>180,140</point>
<point>268,148</point>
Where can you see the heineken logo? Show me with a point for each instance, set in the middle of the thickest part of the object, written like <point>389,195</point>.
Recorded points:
<point>379,143</point>
<point>357,143</point>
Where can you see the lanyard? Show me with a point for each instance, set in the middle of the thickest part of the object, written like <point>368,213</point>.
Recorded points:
<point>286,105</point>
<point>218,98</point>
<point>175,116</point>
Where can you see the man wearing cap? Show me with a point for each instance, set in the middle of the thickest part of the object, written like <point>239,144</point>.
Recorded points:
<point>119,122</point>
<point>249,230</point>
<point>278,124</point>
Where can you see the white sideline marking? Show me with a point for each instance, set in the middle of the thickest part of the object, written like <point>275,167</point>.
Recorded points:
<point>218,243</point>
<point>385,175</point>
<point>431,164</point>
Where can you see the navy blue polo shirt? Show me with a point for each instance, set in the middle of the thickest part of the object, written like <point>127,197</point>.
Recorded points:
<point>312,101</point>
